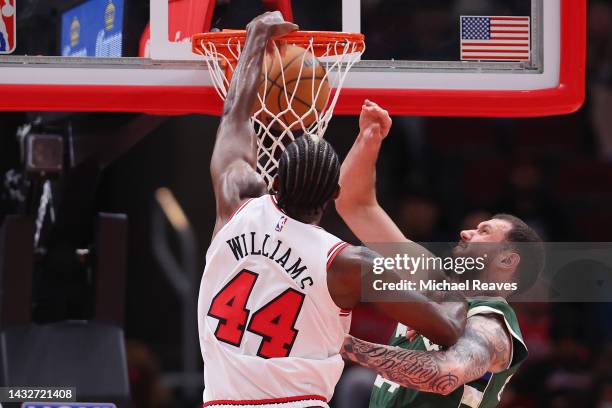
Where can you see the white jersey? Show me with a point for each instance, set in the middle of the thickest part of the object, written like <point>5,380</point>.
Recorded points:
<point>270,332</point>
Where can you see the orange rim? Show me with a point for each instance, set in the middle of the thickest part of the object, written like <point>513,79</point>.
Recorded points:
<point>224,40</point>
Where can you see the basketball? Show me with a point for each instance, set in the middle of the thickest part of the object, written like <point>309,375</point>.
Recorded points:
<point>295,80</point>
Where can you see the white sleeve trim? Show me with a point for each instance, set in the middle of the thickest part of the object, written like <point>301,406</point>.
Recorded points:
<point>483,310</point>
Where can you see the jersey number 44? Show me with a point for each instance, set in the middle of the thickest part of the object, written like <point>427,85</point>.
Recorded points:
<point>274,322</point>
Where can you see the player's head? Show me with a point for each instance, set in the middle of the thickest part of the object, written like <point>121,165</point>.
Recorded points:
<point>513,248</point>
<point>307,178</point>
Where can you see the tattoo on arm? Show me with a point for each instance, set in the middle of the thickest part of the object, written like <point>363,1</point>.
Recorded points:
<point>484,346</point>
<point>422,370</point>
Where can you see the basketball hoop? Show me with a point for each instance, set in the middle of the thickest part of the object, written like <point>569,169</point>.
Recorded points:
<point>336,52</point>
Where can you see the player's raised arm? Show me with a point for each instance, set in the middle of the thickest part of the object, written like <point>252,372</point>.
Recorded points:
<point>434,315</point>
<point>234,157</point>
<point>485,346</point>
<point>357,203</point>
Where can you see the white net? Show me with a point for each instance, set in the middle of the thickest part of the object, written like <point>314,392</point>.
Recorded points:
<point>296,110</point>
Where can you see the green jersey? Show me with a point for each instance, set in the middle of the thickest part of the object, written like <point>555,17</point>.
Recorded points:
<point>482,393</point>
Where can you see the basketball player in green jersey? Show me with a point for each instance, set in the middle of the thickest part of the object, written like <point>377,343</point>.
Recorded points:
<point>412,371</point>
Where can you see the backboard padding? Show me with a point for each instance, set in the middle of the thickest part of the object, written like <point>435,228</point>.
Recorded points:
<point>169,82</point>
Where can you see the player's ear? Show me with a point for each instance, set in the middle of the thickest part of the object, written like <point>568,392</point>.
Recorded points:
<point>509,260</point>
<point>337,193</point>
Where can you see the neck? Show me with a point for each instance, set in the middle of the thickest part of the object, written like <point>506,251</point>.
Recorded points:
<point>314,219</point>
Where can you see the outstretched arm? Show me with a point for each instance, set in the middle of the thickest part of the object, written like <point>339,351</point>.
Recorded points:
<point>233,162</point>
<point>435,314</point>
<point>357,203</point>
<point>442,320</point>
<point>485,346</point>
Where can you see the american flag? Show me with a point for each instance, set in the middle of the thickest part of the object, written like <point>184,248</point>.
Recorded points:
<point>487,38</point>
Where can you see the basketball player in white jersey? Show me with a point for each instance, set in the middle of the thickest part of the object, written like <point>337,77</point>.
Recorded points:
<point>277,290</point>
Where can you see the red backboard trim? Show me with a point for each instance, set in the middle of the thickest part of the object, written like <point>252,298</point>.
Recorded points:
<point>161,100</point>
<point>566,98</point>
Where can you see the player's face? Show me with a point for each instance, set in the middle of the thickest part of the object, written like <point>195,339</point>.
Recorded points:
<point>487,231</point>
<point>474,241</point>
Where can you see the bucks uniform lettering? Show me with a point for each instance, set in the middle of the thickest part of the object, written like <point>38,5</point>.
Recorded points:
<point>483,393</point>
<point>268,325</point>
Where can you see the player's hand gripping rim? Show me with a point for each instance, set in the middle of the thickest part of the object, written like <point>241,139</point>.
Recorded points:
<point>273,23</point>
<point>275,26</point>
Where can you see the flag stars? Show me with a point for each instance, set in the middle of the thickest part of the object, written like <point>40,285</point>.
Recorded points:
<point>475,28</point>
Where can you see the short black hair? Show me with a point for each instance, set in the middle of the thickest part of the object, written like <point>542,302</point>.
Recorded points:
<point>530,248</point>
<point>308,174</point>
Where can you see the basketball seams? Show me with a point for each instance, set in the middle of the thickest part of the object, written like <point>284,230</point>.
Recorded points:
<point>275,60</point>
<point>280,96</point>
<point>284,67</point>
<point>297,98</point>
<point>308,106</point>
<point>281,90</point>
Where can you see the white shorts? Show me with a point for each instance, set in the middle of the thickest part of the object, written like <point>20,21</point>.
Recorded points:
<point>305,401</point>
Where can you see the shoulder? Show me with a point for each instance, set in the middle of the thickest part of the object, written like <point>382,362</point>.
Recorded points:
<point>228,212</point>
<point>496,306</point>
<point>490,333</point>
<point>236,183</point>
<point>349,258</point>
<point>344,271</point>
<point>495,314</point>
<point>478,305</point>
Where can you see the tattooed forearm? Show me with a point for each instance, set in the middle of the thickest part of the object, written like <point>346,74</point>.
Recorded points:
<point>485,346</point>
<point>422,370</point>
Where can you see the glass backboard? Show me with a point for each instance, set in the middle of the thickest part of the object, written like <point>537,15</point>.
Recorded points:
<point>437,57</point>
